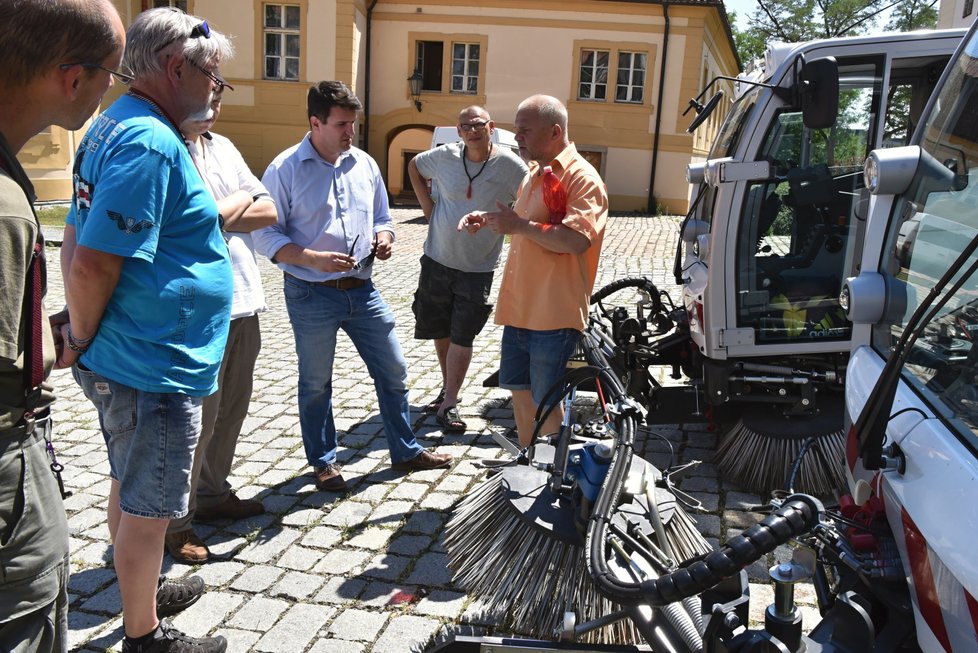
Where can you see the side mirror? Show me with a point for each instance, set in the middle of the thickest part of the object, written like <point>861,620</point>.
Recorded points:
<point>702,112</point>
<point>818,91</point>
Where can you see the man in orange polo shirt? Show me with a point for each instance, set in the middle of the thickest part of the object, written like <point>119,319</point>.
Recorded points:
<point>557,226</point>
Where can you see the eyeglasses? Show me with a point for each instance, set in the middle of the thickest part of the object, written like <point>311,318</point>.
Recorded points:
<point>125,76</point>
<point>472,126</point>
<point>214,77</point>
<point>201,29</point>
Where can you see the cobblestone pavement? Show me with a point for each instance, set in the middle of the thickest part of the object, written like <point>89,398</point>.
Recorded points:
<point>363,572</point>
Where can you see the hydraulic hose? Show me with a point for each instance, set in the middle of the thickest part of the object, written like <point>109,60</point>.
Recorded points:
<point>630,282</point>
<point>798,514</point>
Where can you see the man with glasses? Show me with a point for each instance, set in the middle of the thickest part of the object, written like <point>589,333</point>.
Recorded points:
<point>149,285</point>
<point>36,91</point>
<point>557,227</point>
<point>333,211</point>
<point>244,206</point>
<point>451,305</point>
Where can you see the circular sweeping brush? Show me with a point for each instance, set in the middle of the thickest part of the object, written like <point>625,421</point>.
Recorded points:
<point>513,543</point>
<point>759,451</point>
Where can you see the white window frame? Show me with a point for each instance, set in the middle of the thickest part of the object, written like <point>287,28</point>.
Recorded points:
<point>282,33</point>
<point>467,76</point>
<point>596,78</point>
<point>631,69</point>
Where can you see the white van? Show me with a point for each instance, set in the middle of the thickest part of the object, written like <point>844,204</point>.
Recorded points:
<point>502,137</point>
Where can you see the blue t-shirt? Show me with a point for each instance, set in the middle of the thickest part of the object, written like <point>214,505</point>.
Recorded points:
<point>138,195</point>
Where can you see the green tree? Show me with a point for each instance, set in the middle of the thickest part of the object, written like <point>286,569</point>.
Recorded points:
<point>749,43</point>
<point>791,21</point>
<point>913,14</point>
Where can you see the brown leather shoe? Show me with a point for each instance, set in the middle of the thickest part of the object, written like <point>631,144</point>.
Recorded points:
<point>425,460</point>
<point>328,478</point>
<point>186,547</point>
<point>230,508</point>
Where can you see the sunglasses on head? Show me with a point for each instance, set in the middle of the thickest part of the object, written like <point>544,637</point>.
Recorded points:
<point>200,30</point>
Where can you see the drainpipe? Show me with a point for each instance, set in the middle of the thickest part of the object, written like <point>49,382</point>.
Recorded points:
<point>366,83</point>
<point>658,108</point>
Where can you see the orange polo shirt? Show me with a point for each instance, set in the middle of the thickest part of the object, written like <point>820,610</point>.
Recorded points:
<point>541,289</point>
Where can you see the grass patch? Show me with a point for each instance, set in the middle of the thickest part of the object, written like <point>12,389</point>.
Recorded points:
<point>52,216</point>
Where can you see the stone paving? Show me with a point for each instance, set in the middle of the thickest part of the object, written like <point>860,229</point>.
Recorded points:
<point>363,572</point>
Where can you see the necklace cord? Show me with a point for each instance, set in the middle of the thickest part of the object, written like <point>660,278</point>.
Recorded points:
<point>471,178</point>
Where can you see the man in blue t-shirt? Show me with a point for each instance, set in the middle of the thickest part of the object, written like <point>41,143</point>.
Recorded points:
<point>149,286</point>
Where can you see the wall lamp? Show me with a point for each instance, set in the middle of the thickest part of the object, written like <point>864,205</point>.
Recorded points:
<point>416,81</point>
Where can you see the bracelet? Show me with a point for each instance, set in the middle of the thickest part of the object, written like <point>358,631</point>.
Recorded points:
<point>79,345</point>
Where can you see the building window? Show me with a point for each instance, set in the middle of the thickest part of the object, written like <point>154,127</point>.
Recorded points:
<point>465,67</point>
<point>428,61</point>
<point>631,77</point>
<point>281,42</point>
<point>594,75</point>
<point>968,6</point>
<point>153,4</point>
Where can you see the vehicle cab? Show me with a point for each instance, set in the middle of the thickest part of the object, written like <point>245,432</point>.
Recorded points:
<point>778,224</point>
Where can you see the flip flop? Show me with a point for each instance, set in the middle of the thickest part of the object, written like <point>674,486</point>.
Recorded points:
<point>433,406</point>
<point>450,421</point>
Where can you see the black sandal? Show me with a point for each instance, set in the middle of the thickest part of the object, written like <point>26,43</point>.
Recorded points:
<point>450,421</point>
<point>433,406</point>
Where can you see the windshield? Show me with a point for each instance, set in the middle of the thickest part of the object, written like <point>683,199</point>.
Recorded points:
<point>724,145</point>
<point>732,128</point>
<point>932,224</point>
<point>798,237</point>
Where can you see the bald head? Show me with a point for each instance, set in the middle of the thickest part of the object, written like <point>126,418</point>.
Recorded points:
<point>541,128</point>
<point>549,109</point>
<point>474,112</point>
<point>475,129</point>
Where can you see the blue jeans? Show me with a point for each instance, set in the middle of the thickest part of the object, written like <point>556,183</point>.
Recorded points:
<point>535,360</point>
<point>317,313</point>
<point>151,438</point>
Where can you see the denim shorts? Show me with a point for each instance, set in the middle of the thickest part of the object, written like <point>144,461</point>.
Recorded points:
<point>535,360</point>
<point>450,303</point>
<point>151,438</point>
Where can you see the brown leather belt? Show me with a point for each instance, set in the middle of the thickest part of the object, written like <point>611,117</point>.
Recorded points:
<point>343,283</point>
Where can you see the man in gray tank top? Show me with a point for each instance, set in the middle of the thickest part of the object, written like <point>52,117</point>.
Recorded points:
<point>451,305</point>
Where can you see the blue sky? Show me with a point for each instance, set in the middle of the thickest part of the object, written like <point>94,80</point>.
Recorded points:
<point>744,8</point>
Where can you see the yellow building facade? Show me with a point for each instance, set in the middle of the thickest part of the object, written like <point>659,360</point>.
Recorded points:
<point>604,59</point>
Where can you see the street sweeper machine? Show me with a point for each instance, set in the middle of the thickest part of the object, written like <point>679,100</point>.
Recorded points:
<point>776,225</point>
<point>578,544</point>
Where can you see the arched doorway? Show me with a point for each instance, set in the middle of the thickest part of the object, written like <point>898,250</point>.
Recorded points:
<point>402,144</point>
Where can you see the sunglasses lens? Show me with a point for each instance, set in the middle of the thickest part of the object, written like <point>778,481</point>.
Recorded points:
<point>203,29</point>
